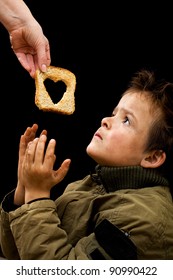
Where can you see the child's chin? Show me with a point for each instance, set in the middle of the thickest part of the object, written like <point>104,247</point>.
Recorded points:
<point>90,149</point>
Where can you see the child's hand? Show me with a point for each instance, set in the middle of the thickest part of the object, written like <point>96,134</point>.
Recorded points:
<point>28,136</point>
<point>37,173</point>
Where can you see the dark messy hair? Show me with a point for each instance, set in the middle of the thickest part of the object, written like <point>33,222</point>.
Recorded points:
<point>160,92</point>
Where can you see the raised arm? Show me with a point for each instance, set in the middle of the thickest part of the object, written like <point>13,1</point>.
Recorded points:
<point>26,35</point>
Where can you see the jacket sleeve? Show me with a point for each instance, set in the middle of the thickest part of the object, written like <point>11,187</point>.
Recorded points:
<point>7,242</point>
<point>8,246</point>
<point>37,233</point>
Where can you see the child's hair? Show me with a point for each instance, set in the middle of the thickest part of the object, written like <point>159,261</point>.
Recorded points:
<point>160,92</point>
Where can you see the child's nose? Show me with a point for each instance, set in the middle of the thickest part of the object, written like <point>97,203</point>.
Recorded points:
<point>106,122</point>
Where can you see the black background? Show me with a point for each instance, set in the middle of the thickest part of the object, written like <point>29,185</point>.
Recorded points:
<point>103,44</point>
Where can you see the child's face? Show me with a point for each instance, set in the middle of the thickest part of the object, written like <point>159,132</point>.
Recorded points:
<point>121,139</point>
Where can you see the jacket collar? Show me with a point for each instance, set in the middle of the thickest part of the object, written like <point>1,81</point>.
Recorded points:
<point>130,177</point>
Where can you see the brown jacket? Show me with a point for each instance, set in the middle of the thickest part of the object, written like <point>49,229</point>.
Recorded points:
<point>67,228</point>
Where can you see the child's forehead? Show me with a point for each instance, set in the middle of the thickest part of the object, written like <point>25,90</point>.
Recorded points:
<point>132,96</point>
<point>131,99</point>
<point>137,93</point>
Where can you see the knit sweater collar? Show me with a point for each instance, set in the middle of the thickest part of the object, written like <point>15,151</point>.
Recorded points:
<point>130,177</point>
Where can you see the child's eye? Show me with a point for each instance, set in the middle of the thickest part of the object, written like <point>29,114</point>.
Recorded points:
<point>126,120</point>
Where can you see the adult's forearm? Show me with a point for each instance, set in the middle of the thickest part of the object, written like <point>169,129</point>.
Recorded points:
<point>14,13</point>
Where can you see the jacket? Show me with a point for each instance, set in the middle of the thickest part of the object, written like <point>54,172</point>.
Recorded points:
<point>117,213</point>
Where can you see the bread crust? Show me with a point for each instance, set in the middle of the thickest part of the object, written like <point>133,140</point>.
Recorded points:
<point>42,98</point>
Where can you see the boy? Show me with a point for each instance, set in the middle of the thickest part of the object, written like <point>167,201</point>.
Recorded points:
<point>123,211</point>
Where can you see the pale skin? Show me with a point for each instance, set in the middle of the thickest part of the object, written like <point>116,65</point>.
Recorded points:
<point>26,36</point>
<point>28,136</point>
<point>120,141</point>
<point>28,148</point>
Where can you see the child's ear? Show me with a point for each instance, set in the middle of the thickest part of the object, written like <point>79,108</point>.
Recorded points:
<point>154,159</point>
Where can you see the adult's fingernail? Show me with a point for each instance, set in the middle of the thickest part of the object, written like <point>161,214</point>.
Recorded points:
<point>43,68</point>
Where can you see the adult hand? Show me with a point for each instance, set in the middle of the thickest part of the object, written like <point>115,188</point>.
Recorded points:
<point>26,35</point>
<point>31,47</point>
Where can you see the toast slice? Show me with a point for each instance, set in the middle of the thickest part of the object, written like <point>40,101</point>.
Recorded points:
<point>42,98</point>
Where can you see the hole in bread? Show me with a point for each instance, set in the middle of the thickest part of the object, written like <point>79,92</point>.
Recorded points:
<point>55,90</point>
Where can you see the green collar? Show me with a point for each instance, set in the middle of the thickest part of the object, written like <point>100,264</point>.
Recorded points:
<point>130,177</point>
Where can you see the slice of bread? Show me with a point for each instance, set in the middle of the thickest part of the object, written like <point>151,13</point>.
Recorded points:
<point>42,98</point>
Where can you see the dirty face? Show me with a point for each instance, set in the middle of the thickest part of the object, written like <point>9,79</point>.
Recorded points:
<point>121,138</point>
